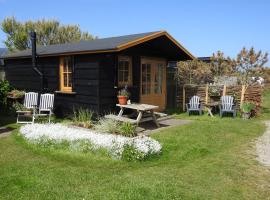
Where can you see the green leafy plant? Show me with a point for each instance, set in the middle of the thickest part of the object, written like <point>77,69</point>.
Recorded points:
<point>4,89</point>
<point>18,106</point>
<point>127,129</point>
<point>124,92</point>
<point>247,107</point>
<point>214,90</point>
<point>83,117</point>
<point>131,154</point>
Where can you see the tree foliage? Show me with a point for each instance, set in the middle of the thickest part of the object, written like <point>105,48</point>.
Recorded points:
<point>249,63</point>
<point>48,32</point>
<point>193,72</point>
<point>221,66</point>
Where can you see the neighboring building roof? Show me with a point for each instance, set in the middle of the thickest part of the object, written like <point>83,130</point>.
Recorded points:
<point>3,52</point>
<point>112,44</point>
<point>205,59</point>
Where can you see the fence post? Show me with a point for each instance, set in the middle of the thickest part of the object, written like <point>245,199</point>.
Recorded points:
<point>242,94</point>
<point>206,93</point>
<point>224,90</point>
<point>184,98</point>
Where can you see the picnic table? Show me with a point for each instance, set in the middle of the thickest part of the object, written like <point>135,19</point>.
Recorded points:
<point>210,106</point>
<point>140,109</point>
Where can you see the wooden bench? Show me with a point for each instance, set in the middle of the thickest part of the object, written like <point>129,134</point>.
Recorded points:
<point>120,118</point>
<point>159,114</point>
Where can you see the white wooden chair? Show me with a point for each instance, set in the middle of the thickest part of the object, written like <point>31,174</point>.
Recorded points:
<point>30,103</point>
<point>194,105</point>
<point>45,106</point>
<point>227,106</point>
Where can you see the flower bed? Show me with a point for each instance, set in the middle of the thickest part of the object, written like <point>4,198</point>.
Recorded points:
<point>120,147</point>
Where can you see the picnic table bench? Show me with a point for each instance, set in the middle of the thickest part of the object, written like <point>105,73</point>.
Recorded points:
<point>140,109</point>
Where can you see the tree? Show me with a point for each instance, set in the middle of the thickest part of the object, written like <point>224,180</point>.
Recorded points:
<point>220,66</point>
<point>193,72</point>
<point>249,63</point>
<point>48,32</point>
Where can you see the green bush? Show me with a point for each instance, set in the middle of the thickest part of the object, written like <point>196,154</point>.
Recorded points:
<point>127,129</point>
<point>131,154</point>
<point>19,106</point>
<point>83,117</point>
<point>247,107</point>
<point>4,89</point>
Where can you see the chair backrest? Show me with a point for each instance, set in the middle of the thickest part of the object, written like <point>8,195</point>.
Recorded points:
<point>194,102</point>
<point>46,102</point>
<point>227,102</point>
<point>30,100</point>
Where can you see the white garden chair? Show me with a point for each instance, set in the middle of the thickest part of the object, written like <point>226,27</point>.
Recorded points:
<point>30,103</point>
<point>194,105</point>
<point>227,106</point>
<point>45,106</point>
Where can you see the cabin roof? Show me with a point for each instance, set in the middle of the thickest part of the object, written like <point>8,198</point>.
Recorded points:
<point>111,44</point>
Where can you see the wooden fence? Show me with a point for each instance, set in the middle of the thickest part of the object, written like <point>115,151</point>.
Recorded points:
<point>240,93</point>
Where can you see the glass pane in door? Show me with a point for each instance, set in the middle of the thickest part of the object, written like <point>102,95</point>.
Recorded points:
<point>158,79</point>
<point>146,79</point>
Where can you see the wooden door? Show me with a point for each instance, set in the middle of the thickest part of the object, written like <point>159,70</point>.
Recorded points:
<point>153,82</point>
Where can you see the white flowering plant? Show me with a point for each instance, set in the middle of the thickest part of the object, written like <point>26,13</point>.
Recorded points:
<point>59,136</point>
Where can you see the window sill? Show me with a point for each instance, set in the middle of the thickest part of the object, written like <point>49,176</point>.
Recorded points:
<point>62,92</point>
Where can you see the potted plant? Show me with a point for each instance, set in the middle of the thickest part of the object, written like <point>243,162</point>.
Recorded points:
<point>246,109</point>
<point>123,95</point>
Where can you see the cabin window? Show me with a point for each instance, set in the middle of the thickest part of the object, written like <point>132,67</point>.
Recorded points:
<point>66,66</point>
<point>124,71</point>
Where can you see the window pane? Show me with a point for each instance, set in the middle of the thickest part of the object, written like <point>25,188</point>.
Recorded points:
<point>70,80</point>
<point>158,79</point>
<point>65,80</point>
<point>146,78</point>
<point>123,72</point>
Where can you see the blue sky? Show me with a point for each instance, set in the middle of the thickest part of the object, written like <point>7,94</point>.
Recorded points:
<point>203,27</point>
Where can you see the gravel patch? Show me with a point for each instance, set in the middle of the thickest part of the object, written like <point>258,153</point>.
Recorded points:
<point>263,147</point>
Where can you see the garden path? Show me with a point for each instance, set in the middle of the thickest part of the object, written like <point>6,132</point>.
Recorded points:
<point>5,131</point>
<point>263,146</point>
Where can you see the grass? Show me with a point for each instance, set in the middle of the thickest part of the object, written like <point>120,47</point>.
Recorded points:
<point>210,158</point>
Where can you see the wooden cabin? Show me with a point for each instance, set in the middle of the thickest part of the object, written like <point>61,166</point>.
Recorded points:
<point>90,73</point>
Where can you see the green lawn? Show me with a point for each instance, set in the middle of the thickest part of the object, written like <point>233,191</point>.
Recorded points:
<point>210,158</point>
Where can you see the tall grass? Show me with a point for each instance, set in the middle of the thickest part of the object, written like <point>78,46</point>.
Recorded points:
<point>83,117</point>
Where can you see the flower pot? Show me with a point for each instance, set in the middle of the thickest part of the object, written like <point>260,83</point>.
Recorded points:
<point>246,115</point>
<point>122,100</point>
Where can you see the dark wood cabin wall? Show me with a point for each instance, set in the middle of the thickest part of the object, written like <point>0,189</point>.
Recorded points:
<point>85,85</point>
<point>85,78</point>
<point>108,83</point>
<point>20,74</point>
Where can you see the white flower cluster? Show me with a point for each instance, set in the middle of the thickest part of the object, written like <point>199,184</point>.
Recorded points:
<point>113,143</point>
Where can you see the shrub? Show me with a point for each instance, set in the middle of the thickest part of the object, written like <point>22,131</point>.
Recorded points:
<point>127,129</point>
<point>19,106</point>
<point>107,126</point>
<point>130,153</point>
<point>4,89</point>
<point>83,117</point>
<point>247,107</point>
